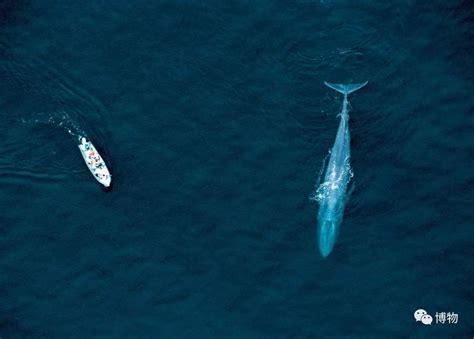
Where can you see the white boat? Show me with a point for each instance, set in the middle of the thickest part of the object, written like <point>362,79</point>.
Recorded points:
<point>95,162</point>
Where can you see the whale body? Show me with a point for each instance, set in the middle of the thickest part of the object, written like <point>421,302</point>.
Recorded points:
<point>332,192</point>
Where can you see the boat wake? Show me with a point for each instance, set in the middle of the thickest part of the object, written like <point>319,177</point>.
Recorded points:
<point>38,95</point>
<point>61,120</point>
<point>36,92</point>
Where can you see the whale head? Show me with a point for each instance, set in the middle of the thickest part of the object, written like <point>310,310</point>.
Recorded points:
<point>327,234</point>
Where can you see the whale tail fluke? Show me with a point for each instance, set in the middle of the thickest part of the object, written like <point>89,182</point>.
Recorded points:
<point>346,89</point>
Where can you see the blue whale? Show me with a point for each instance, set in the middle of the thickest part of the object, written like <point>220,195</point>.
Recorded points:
<point>332,193</point>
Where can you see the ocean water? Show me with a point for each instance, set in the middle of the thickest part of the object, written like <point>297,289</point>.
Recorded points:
<point>214,120</point>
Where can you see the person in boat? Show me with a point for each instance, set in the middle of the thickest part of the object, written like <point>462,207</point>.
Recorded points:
<point>87,145</point>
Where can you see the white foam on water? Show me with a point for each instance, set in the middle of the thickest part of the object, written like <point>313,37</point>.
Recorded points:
<point>322,190</point>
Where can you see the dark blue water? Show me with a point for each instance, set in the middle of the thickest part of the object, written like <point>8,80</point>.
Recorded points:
<point>215,121</point>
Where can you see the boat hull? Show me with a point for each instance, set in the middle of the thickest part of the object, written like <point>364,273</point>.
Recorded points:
<point>95,163</point>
